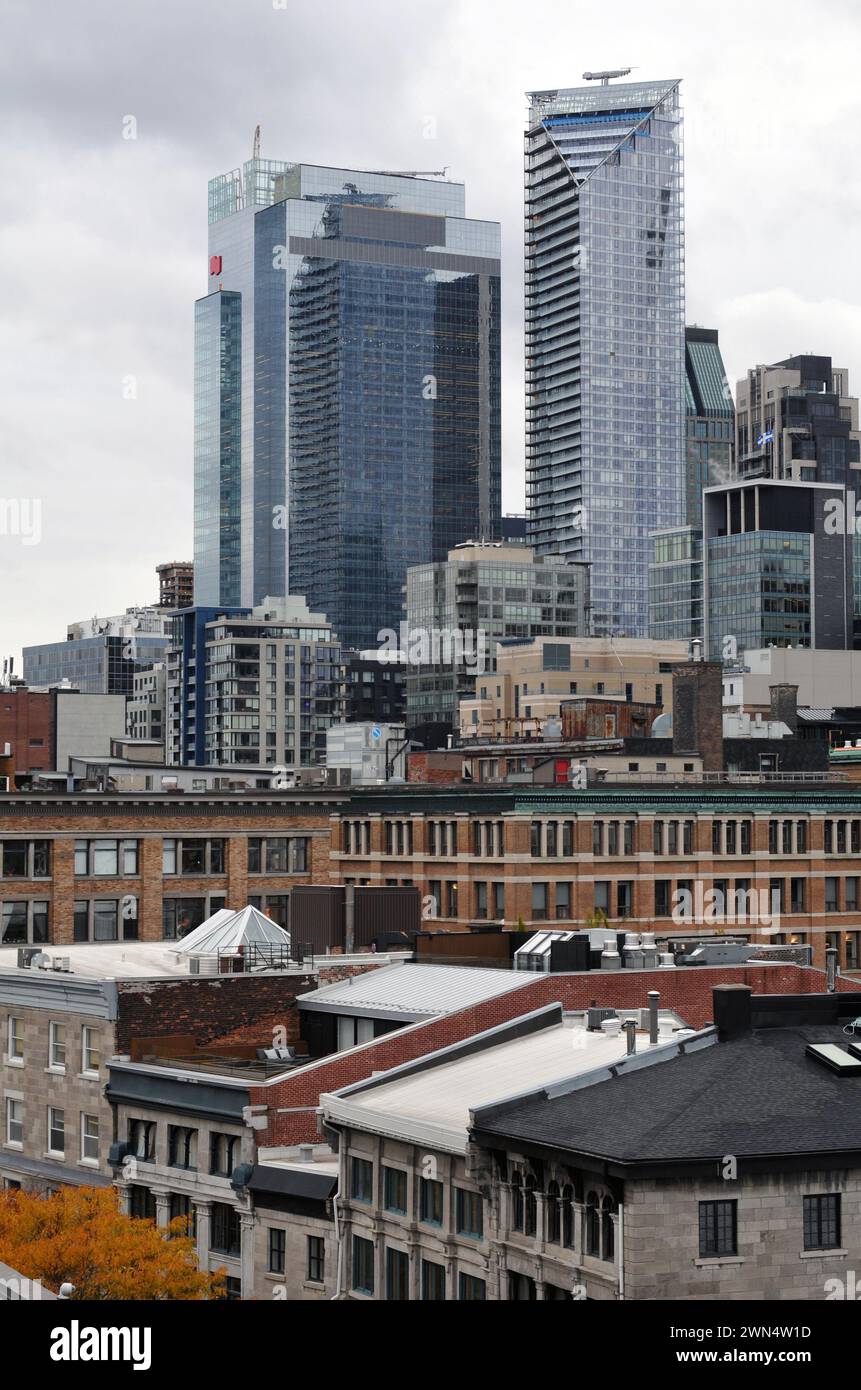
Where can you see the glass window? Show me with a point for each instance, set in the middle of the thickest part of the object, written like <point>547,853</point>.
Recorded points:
<point>316,1260</point>
<point>433,1281</point>
<point>395,1190</point>
<point>470,1289</point>
<point>14,1122</point>
<point>56,1131</point>
<point>397,1275</point>
<point>469,1213</point>
<point>717,1222</point>
<point>822,1222</point>
<point>361,1180</point>
<point>430,1201</point>
<point>225,1236</point>
<point>15,1039</point>
<point>57,1046</point>
<point>90,1055</point>
<point>90,1138</point>
<point>277,1250</point>
<point>363,1265</point>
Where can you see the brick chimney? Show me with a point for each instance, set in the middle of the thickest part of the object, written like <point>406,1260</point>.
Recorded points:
<point>698,712</point>
<point>784,704</point>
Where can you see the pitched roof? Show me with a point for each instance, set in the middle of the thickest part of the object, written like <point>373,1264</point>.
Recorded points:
<point>754,1096</point>
<point>412,991</point>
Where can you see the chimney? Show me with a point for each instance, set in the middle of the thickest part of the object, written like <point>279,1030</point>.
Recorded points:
<point>698,712</point>
<point>784,704</point>
<point>654,999</point>
<point>732,1011</point>
<point>831,959</point>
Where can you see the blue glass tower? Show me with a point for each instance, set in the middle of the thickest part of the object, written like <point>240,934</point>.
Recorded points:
<point>347,389</point>
<point>605,344</point>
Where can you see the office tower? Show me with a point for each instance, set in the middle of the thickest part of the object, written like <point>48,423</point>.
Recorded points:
<point>782,554</point>
<point>676,566</point>
<point>796,419</point>
<point>176,584</point>
<point>347,418</point>
<point>252,686</point>
<point>493,593</point>
<point>100,656</point>
<point>605,333</point>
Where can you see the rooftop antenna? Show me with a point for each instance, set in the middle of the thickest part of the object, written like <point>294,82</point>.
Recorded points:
<point>255,153</point>
<point>604,77</point>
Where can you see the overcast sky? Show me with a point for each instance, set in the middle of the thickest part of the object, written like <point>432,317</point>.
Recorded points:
<point>103,238</point>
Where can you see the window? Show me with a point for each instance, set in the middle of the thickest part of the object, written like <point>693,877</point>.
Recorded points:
<point>14,1122</point>
<point>316,1260</point>
<point>223,1151</point>
<point>192,857</point>
<point>56,1131</point>
<point>57,1046</point>
<point>717,1229</point>
<point>563,902</point>
<point>106,858</point>
<point>822,1222</point>
<point>554,1214</point>
<point>90,1055</point>
<point>277,1250</point>
<point>181,915</point>
<point>363,1265</point>
<point>182,1209</point>
<point>361,1180</point>
<point>395,1190</point>
<point>433,1282</point>
<point>24,922</point>
<point>469,1213</point>
<point>225,1237</point>
<point>832,901</point>
<point>539,902</point>
<point>141,1204</point>
<point>278,855</point>
<point>142,1140</point>
<point>593,1226</point>
<point>397,1275</point>
<point>662,897</point>
<point>89,1138</point>
<point>182,1147</point>
<point>15,1039</point>
<point>430,1202</point>
<point>470,1289</point>
<point>98,919</point>
<point>25,859</point>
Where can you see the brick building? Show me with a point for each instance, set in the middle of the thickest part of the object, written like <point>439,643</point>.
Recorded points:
<point>76,868</point>
<point>512,854</point>
<point>26,724</point>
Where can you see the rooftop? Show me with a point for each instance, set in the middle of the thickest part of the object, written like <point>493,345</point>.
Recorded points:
<point>411,992</point>
<point>430,1101</point>
<point>759,1094</point>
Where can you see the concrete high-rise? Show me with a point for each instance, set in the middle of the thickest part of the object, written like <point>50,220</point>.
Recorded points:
<point>347,418</point>
<point>605,344</point>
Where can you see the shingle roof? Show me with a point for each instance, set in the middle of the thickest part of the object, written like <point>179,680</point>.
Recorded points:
<point>756,1095</point>
<point>414,991</point>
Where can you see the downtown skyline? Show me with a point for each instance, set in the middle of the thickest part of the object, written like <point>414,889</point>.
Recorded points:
<point>117,345</point>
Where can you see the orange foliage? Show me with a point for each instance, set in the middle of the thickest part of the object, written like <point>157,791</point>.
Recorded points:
<point>80,1236</point>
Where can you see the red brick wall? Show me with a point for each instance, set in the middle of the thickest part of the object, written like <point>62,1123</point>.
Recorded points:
<point>208,1009</point>
<point>437,768</point>
<point>26,715</point>
<point>687,991</point>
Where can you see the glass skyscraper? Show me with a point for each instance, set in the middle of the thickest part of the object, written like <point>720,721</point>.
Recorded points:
<point>676,568</point>
<point>605,345</point>
<point>347,417</point>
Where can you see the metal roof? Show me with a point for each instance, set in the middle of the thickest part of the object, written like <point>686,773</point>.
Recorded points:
<point>227,931</point>
<point>411,992</point>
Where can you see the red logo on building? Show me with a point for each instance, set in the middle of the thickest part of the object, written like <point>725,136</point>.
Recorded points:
<point>215,265</point>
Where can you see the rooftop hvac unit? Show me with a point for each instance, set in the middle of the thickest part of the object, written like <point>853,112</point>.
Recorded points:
<point>26,954</point>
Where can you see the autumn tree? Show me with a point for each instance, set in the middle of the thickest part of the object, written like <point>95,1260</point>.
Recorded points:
<point>80,1236</point>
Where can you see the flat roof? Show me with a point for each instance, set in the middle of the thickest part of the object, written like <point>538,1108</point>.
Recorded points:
<point>109,960</point>
<point>411,992</point>
<point>433,1105</point>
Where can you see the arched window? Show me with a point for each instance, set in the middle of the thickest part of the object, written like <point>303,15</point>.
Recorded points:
<point>517,1203</point>
<point>554,1214</point>
<point>530,1224</point>
<point>568,1216</point>
<point>593,1226</point>
<point>608,1233</point>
